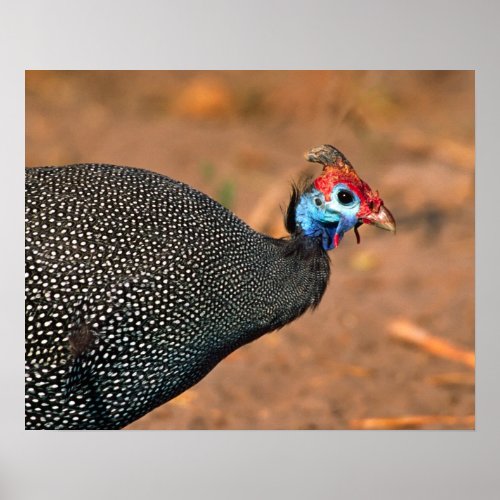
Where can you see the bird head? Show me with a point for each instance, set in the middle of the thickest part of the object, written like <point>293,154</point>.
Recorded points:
<point>338,200</point>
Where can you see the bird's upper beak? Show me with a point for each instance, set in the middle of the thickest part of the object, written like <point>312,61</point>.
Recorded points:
<point>383,219</point>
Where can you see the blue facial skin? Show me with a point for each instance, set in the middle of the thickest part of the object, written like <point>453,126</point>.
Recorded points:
<point>319,218</point>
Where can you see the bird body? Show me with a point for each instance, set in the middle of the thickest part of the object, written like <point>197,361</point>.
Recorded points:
<point>137,285</point>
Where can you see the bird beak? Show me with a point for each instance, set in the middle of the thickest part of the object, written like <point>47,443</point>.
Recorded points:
<point>383,219</point>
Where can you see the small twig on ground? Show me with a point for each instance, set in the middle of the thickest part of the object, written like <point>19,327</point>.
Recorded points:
<point>452,378</point>
<point>410,333</point>
<point>413,422</point>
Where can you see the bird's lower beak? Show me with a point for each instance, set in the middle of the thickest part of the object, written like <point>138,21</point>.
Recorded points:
<point>383,219</point>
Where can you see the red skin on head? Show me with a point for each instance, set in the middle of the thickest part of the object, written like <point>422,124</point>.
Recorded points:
<point>340,173</point>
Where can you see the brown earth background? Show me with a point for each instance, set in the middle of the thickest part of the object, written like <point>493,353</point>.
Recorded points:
<point>391,345</point>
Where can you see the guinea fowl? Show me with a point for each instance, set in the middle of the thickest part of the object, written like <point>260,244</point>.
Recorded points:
<point>137,285</point>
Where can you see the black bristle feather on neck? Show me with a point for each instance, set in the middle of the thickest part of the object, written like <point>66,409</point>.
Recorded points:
<point>298,189</point>
<point>305,247</point>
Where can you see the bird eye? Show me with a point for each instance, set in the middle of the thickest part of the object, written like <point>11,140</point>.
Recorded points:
<point>318,201</point>
<point>345,197</point>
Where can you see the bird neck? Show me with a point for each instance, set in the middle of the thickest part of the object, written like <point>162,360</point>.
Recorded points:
<point>305,274</point>
<point>296,275</point>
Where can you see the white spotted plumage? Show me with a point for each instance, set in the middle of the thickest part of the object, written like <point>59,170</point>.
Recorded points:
<point>136,287</point>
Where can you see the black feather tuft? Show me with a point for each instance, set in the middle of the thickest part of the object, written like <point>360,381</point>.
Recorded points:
<point>298,189</point>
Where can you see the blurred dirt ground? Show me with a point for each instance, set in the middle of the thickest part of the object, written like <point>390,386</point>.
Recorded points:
<point>240,137</point>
